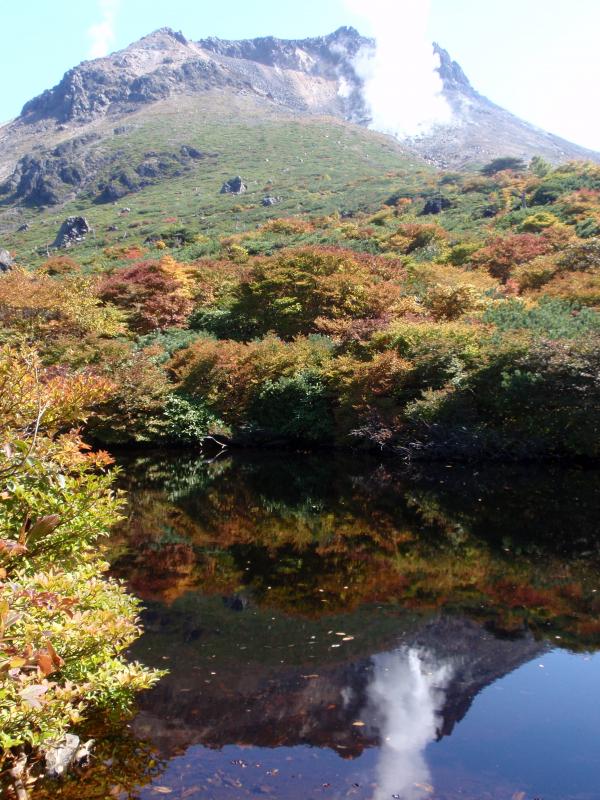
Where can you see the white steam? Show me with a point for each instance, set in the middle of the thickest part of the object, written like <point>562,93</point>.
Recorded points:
<point>102,33</point>
<point>402,88</point>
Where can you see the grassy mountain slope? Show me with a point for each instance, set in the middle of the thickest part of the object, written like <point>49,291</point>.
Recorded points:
<point>313,164</point>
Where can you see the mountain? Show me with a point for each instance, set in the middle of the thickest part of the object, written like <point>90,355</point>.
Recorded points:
<point>261,703</point>
<point>170,112</point>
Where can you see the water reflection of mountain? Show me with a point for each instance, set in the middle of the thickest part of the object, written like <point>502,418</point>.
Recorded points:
<point>223,689</point>
<point>292,597</point>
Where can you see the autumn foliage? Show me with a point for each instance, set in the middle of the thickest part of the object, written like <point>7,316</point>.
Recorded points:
<point>152,293</point>
<point>426,333</point>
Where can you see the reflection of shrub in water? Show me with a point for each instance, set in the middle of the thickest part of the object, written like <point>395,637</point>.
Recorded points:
<point>311,536</point>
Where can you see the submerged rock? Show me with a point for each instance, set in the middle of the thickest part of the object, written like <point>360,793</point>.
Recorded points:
<point>66,753</point>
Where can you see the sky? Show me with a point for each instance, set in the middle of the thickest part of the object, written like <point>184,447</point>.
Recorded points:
<point>538,58</point>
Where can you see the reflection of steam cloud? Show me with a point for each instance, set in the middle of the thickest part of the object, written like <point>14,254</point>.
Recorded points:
<point>406,695</point>
<point>402,89</point>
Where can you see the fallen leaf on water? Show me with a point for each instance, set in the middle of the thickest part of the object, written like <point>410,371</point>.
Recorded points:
<point>162,790</point>
<point>358,724</point>
<point>309,677</point>
<point>425,787</point>
<point>518,796</point>
<point>347,638</point>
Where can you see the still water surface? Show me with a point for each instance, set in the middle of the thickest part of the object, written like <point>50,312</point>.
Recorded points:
<point>335,627</point>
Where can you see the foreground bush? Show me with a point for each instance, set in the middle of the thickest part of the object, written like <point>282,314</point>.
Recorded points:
<point>63,624</point>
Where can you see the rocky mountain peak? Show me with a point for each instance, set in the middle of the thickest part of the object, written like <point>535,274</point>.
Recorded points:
<point>318,55</point>
<point>313,76</point>
<point>452,73</point>
<point>162,38</point>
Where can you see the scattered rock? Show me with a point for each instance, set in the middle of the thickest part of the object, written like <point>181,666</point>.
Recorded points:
<point>191,152</point>
<point>436,205</point>
<point>125,210</point>
<point>113,228</point>
<point>23,227</point>
<point>68,752</point>
<point>72,231</point>
<point>6,260</point>
<point>269,200</point>
<point>234,186</point>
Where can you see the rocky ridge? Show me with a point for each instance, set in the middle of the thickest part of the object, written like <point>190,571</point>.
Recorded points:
<point>298,77</point>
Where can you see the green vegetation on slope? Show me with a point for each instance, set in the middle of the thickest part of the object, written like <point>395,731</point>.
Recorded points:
<point>313,165</point>
<point>469,336</point>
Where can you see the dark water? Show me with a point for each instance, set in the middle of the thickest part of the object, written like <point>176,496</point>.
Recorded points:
<point>337,628</point>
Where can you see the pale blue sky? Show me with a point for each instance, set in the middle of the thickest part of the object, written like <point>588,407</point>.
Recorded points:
<point>538,58</point>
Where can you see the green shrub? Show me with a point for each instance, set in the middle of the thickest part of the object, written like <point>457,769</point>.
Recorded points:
<point>461,253</point>
<point>293,407</point>
<point>523,400</point>
<point>588,228</point>
<point>168,341</point>
<point>503,163</point>
<point>556,319</point>
<point>189,422</point>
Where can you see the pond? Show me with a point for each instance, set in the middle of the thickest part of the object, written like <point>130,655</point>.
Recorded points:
<point>342,627</point>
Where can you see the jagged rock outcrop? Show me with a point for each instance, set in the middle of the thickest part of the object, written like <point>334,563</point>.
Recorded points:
<point>72,231</point>
<point>166,63</point>
<point>51,176</point>
<point>234,186</point>
<point>452,74</point>
<point>79,166</point>
<point>312,76</point>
